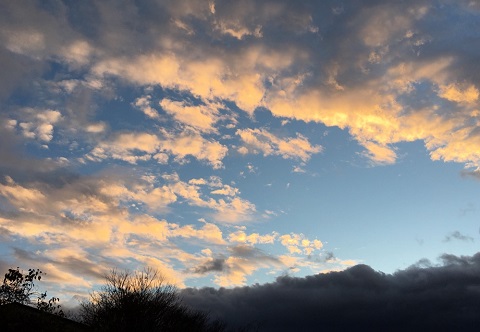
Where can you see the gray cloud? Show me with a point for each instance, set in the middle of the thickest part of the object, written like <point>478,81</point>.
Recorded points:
<point>14,158</point>
<point>60,185</point>
<point>76,266</point>
<point>325,257</point>
<point>475,174</point>
<point>248,254</point>
<point>217,264</point>
<point>253,254</point>
<point>456,235</point>
<point>359,298</point>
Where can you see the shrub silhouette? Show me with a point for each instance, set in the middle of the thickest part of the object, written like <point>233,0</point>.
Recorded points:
<point>19,287</point>
<point>141,301</point>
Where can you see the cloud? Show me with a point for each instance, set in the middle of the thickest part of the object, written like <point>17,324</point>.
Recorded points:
<point>425,298</point>
<point>458,94</point>
<point>78,223</point>
<point>473,174</point>
<point>63,219</point>
<point>228,209</point>
<point>190,143</point>
<point>458,236</point>
<point>243,260</point>
<point>254,238</point>
<point>264,54</point>
<point>130,147</point>
<point>208,233</point>
<point>200,117</point>
<point>16,161</point>
<point>36,124</point>
<point>217,264</point>
<point>361,86</point>
<point>208,80</point>
<point>295,243</point>
<point>143,103</point>
<point>262,141</point>
<point>134,147</point>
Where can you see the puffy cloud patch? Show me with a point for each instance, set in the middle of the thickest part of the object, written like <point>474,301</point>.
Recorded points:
<point>134,147</point>
<point>144,104</point>
<point>228,209</point>
<point>90,213</point>
<point>267,54</point>
<point>262,141</point>
<point>242,261</point>
<point>200,117</point>
<point>190,143</point>
<point>296,243</point>
<point>129,147</point>
<point>253,238</point>
<point>456,93</point>
<point>37,124</point>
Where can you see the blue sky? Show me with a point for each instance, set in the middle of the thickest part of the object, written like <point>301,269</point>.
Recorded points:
<point>226,143</point>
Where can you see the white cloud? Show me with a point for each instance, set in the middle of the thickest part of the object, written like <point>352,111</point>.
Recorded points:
<point>38,124</point>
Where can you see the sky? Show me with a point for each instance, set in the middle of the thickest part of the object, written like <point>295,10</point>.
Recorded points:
<point>233,143</point>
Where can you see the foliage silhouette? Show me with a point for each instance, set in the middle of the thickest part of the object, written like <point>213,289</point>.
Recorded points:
<point>20,287</point>
<point>142,301</point>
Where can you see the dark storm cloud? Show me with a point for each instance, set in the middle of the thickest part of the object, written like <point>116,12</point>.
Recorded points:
<point>427,298</point>
<point>458,236</point>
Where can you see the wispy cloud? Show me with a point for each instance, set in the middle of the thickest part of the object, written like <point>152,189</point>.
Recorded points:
<point>262,141</point>
<point>458,236</point>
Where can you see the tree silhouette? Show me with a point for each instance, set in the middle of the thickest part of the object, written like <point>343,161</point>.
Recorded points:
<point>20,287</point>
<point>142,301</point>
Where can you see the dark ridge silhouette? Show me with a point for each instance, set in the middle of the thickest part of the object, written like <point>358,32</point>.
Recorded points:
<point>17,317</point>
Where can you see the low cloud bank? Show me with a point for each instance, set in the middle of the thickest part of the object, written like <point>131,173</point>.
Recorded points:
<point>421,298</point>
